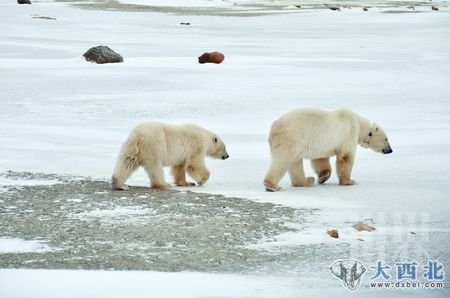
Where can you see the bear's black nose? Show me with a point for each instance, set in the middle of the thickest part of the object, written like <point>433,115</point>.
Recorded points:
<point>387,151</point>
<point>225,156</point>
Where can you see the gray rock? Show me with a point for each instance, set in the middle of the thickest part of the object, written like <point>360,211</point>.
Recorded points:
<point>23,1</point>
<point>86,225</point>
<point>102,54</point>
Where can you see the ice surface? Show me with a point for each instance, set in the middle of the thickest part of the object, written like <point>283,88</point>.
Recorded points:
<point>117,213</point>
<point>182,3</point>
<point>16,245</point>
<point>5,182</point>
<point>271,6</point>
<point>61,114</point>
<point>139,284</point>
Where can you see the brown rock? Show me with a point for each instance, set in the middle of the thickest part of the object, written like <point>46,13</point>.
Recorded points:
<point>333,233</point>
<point>363,227</point>
<point>211,57</point>
<point>434,8</point>
<point>23,1</point>
<point>365,8</point>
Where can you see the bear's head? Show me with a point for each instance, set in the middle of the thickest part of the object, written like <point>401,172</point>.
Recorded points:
<point>377,140</point>
<point>216,148</point>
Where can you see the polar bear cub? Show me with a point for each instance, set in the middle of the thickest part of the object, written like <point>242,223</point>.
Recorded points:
<point>156,145</point>
<point>317,135</point>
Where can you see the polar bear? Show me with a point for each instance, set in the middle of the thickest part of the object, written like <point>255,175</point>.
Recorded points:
<point>317,135</point>
<point>155,145</point>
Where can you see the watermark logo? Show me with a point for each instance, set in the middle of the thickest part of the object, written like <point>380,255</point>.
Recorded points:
<point>350,272</point>
<point>400,275</point>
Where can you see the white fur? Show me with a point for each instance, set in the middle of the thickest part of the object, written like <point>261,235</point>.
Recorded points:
<point>317,135</point>
<point>156,145</point>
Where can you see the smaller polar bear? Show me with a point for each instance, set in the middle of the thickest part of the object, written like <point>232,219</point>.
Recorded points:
<point>317,135</point>
<point>155,145</point>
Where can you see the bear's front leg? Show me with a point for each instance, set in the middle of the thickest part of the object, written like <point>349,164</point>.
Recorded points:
<point>179,173</point>
<point>344,165</point>
<point>198,171</point>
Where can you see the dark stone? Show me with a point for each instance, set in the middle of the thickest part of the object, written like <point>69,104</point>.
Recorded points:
<point>102,54</point>
<point>23,1</point>
<point>186,24</point>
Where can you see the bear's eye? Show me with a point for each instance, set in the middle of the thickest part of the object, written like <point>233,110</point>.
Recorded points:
<point>215,139</point>
<point>385,140</point>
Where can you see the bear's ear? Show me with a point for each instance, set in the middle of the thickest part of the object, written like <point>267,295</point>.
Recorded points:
<point>375,127</point>
<point>215,139</point>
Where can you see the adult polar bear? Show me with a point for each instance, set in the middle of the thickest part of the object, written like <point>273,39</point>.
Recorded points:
<point>317,135</point>
<point>155,145</point>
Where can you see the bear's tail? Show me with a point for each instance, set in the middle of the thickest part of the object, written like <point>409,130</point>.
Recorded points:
<point>127,162</point>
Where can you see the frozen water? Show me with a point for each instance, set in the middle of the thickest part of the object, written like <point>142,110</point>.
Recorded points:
<point>16,245</point>
<point>61,114</point>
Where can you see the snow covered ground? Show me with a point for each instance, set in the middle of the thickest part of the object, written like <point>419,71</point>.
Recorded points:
<point>272,3</point>
<point>61,114</point>
<point>8,245</point>
<point>259,7</point>
<point>181,3</point>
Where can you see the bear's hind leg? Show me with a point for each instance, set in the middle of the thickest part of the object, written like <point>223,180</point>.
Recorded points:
<point>179,173</point>
<point>344,165</point>
<point>155,172</point>
<point>124,168</point>
<point>322,168</point>
<point>277,170</point>
<point>297,174</point>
